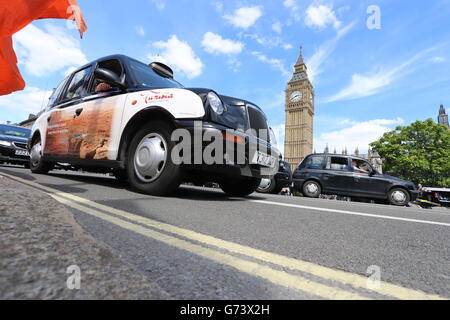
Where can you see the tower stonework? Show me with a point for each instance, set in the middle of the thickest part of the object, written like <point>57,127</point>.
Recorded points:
<point>299,115</point>
<point>443,117</point>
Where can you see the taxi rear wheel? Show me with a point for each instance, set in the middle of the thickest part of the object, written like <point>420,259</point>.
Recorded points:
<point>37,164</point>
<point>240,187</point>
<point>149,165</point>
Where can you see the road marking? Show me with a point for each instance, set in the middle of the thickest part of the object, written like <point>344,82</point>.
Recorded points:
<point>350,212</point>
<point>356,281</point>
<point>252,268</point>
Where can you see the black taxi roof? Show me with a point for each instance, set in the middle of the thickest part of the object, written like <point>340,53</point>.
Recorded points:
<point>335,155</point>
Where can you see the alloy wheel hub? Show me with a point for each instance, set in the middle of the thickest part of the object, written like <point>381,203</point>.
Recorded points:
<point>312,188</point>
<point>265,184</point>
<point>150,157</point>
<point>398,196</point>
<point>36,154</point>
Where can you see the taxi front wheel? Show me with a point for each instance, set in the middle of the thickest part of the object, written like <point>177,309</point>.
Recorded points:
<point>149,165</point>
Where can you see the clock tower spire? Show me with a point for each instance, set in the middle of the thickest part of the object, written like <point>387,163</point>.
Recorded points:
<point>299,114</point>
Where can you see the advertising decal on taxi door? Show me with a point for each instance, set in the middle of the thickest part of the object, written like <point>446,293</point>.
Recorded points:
<point>84,131</point>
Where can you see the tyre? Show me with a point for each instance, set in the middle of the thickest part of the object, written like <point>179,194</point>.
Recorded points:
<point>120,174</point>
<point>269,186</point>
<point>240,187</point>
<point>398,197</point>
<point>311,189</point>
<point>149,165</point>
<point>37,164</point>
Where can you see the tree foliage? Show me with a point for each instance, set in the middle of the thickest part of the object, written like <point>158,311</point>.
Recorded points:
<point>419,152</point>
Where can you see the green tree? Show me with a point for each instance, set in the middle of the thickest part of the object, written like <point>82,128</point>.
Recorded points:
<point>419,152</point>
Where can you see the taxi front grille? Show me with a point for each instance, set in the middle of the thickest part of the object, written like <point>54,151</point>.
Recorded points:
<point>258,123</point>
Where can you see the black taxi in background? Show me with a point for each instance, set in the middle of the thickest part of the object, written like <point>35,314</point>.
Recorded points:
<point>352,177</point>
<point>13,145</point>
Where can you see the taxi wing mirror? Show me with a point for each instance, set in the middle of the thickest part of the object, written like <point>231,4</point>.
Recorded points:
<point>110,77</point>
<point>372,173</point>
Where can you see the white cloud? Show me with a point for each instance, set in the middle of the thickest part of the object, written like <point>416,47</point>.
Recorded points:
<point>320,15</point>
<point>218,6</point>
<point>276,64</point>
<point>355,135</point>
<point>294,8</point>
<point>30,100</point>
<point>215,44</point>
<point>179,55</point>
<point>324,51</point>
<point>370,84</point>
<point>160,4</point>
<point>438,59</point>
<point>277,27</point>
<point>267,42</point>
<point>140,30</point>
<point>244,17</point>
<point>43,52</point>
<point>69,71</point>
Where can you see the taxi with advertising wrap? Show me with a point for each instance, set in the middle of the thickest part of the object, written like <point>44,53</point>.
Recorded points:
<point>119,115</point>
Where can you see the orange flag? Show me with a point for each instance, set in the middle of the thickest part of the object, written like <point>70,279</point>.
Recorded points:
<point>17,14</point>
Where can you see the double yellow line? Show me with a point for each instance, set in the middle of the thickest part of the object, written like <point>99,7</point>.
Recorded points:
<point>182,239</point>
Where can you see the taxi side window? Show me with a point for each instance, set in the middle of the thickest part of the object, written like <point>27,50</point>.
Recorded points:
<point>315,162</point>
<point>114,65</point>
<point>337,164</point>
<point>77,87</point>
<point>363,165</point>
<point>56,93</point>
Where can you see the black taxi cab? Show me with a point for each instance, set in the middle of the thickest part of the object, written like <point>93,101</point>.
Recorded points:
<point>119,115</point>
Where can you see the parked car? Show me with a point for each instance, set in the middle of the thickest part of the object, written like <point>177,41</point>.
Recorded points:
<point>117,114</point>
<point>350,176</point>
<point>13,145</point>
<point>281,180</point>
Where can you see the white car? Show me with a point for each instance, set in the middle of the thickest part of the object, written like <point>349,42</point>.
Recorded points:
<point>119,115</point>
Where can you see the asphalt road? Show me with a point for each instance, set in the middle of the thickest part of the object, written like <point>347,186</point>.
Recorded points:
<point>201,244</point>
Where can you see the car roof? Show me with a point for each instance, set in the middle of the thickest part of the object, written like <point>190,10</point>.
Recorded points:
<point>337,155</point>
<point>120,57</point>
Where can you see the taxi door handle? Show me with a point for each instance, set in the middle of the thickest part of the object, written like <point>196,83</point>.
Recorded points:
<point>78,112</point>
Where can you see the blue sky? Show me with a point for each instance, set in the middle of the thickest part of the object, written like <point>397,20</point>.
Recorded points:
<point>366,81</point>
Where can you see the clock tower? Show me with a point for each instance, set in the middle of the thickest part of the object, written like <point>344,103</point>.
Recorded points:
<point>299,115</point>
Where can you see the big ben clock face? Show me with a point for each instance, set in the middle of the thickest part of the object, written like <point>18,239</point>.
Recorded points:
<point>296,96</point>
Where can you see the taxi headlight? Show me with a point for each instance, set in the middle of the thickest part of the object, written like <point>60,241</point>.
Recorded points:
<point>215,103</point>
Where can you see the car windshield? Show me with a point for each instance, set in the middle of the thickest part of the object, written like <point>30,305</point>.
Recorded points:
<point>14,132</point>
<point>145,76</point>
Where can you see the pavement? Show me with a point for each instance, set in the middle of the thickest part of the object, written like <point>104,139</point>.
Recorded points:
<point>41,247</point>
<point>201,244</point>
